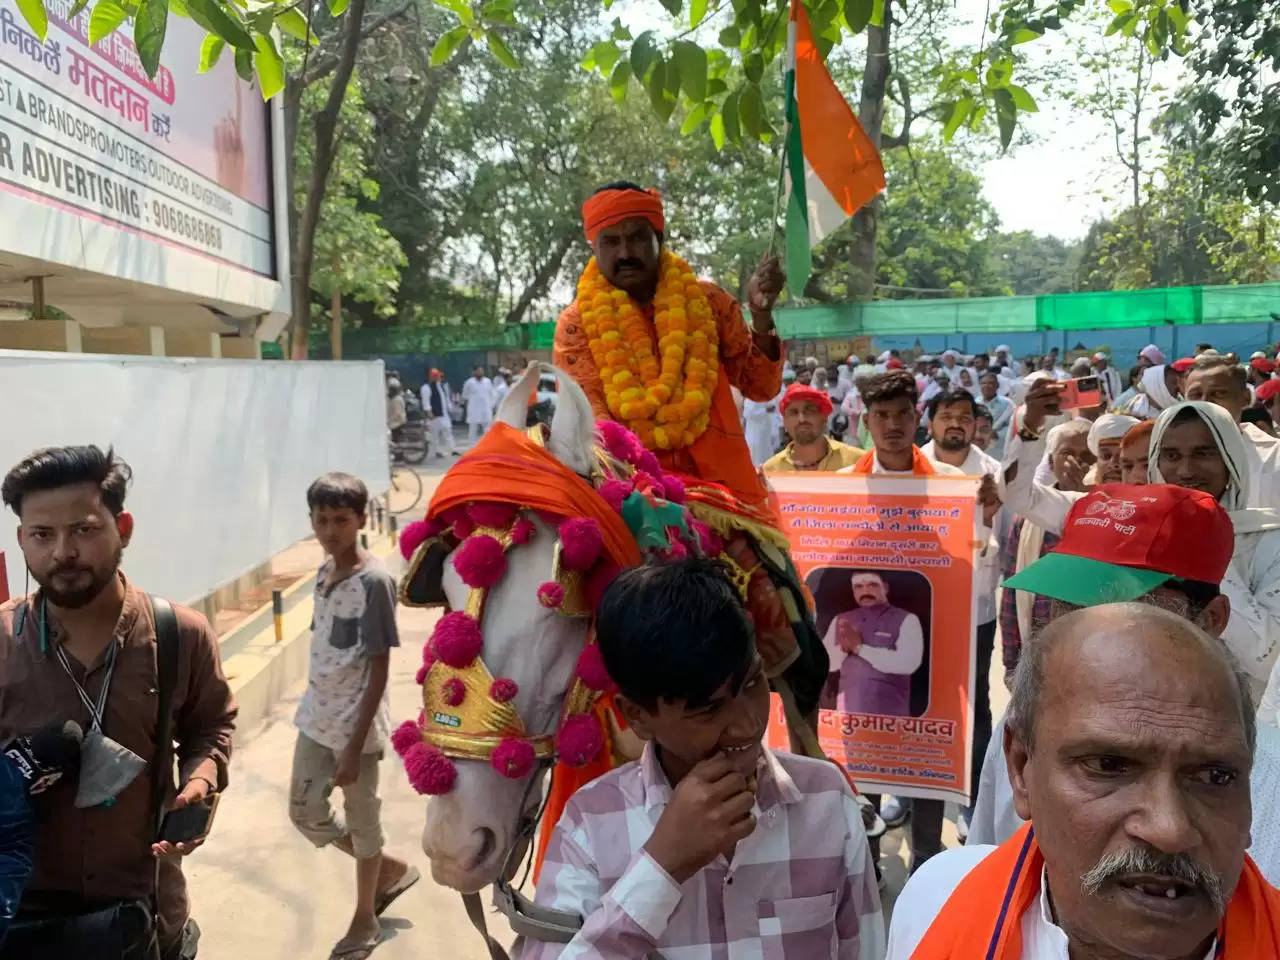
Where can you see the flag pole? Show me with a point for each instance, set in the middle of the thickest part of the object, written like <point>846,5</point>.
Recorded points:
<point>778,189</point>
<point>780,184</point>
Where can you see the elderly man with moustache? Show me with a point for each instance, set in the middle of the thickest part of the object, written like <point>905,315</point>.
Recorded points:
<point>1129,746</point>
<point>875,648</point>
<point>1098,561</point>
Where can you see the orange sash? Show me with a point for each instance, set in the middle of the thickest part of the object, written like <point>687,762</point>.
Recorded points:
<point>508,467</point>
<point>982,919</point>
<point>920,465</point>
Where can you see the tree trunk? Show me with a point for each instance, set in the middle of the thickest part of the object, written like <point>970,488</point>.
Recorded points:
<point>326,126</point>
<point>335,315</point>
<point>538,286</point>
<point>405,169</point>
<point>866,222</point>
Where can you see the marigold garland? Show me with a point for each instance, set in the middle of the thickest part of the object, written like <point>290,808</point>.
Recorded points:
<point>664,398</point>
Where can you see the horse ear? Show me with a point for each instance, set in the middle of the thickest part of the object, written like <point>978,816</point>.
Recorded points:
<point>573,426</point>
<point>514,409</point>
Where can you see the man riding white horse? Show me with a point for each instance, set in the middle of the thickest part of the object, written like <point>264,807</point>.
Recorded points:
<point>659,351</point>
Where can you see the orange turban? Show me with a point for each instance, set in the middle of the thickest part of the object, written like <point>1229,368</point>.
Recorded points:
<point>610,207</point>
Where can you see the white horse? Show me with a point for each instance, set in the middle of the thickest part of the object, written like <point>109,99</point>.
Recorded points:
<point>478,818</point>
<point>471,829</point>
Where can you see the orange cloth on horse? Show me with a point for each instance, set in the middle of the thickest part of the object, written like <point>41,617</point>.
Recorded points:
<point>509,467</point>
<point>751,362</point>
<point>982,917</point>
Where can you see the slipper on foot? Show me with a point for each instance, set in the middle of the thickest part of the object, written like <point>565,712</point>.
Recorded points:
<point>388,896</point>
<point>355,951</point>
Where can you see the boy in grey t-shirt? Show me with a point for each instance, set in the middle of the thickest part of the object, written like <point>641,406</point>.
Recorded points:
<point>343,720</point>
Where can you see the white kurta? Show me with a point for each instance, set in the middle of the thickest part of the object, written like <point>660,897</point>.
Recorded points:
<point>500,391</point>
<point>478,395</point>
<point>1262,451</point>
<point>986,576</point>
<point>758,426</point>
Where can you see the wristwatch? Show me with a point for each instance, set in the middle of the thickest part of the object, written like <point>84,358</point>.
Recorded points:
<point>1028,435</point>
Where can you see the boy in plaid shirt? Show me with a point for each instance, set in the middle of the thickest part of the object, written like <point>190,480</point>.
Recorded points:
<point>710,844</point>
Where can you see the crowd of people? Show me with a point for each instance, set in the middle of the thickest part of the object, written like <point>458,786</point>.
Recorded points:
<point>440,406</point>
<point>999,384</point>
<point>1183,461</point>
<point>1127,555</point>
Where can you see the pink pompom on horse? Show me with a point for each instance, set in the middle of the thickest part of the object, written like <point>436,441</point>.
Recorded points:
<point>521,539</point>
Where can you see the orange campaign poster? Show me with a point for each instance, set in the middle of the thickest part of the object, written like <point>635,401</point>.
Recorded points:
<point>888,561</point>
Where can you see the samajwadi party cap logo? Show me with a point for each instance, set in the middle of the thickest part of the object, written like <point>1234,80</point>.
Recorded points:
<point>1117,510</point>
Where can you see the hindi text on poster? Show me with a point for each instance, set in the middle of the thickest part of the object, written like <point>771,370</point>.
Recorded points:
<point>889,564</point>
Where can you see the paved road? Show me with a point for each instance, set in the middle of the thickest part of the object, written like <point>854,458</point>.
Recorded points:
<point>262,892</point>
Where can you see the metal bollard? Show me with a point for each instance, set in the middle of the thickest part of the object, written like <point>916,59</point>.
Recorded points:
<point>393,524</point>
<point>382,514</point>
<point>277,613</point>
<point>364,540</point>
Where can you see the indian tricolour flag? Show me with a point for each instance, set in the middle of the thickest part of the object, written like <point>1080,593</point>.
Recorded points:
<point>832,168</point>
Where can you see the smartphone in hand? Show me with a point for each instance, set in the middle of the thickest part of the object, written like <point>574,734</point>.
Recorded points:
<point>189,824</point>
<point>1082,392</point>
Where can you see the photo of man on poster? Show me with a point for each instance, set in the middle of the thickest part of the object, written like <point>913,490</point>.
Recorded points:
<point>877,646</point>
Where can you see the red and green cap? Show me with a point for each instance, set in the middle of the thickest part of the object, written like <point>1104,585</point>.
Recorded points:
<point>1123,541</point>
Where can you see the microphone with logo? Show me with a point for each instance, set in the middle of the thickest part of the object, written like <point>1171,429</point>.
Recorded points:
<point>46,756</point>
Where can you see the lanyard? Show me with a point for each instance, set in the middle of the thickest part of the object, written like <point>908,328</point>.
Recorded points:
<point>98,710</point>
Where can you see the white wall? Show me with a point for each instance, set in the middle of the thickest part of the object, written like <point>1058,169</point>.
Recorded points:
<point>222,451</point>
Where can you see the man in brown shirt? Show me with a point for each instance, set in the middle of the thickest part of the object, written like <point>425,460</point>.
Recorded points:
<point>88,626</point>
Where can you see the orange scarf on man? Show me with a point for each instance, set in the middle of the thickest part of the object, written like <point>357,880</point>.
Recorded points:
<point>920,465</point>
<point>507,467</point>
<point>982,919</point>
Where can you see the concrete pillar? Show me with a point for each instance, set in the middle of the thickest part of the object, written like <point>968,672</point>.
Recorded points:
<point>128,341</point>
<point>62,336</point>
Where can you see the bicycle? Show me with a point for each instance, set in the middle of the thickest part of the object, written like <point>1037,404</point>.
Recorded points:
<point>405,491</point>
<point>409,442</point>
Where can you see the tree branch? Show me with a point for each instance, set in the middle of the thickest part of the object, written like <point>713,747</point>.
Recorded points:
<point>908,116</point>
<point>537,287</point>
<point>324,66</point>
<point>326,124</point>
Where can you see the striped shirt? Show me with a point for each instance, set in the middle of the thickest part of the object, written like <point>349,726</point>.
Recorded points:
<point>801,887</point>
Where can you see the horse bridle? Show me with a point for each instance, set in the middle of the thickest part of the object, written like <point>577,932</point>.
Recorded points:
<point>526,918</point>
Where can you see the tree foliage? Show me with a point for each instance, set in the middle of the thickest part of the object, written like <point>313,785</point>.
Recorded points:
<point>355,255</point>
<point>707,62</point>
<point>1237,61</point>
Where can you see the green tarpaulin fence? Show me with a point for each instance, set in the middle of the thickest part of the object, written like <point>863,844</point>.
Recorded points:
<point>1068,311</point>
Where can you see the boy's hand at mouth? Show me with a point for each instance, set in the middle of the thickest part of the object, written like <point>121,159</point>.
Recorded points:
<point>709,812</point>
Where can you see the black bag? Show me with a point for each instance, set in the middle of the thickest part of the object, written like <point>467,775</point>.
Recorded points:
<point>59,927</point>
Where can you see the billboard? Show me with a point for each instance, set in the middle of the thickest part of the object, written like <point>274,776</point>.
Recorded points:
<point>182,162</point>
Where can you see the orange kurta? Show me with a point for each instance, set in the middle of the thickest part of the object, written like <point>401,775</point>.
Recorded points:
<point>751,362</point>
